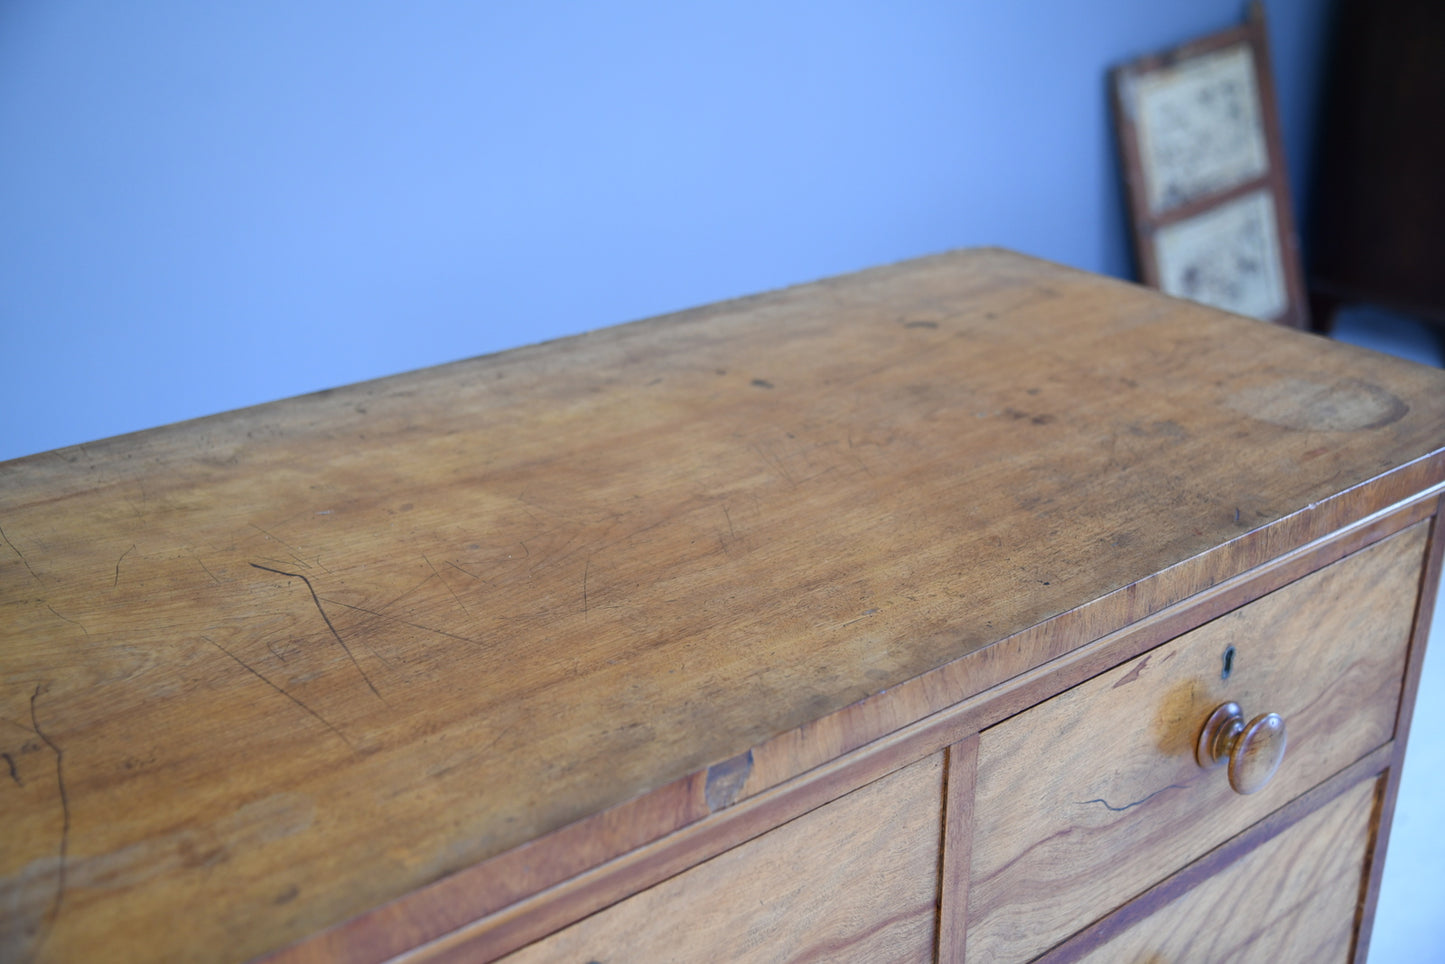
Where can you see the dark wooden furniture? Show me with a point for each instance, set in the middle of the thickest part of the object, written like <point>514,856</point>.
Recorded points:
<point>1377,231</point>
<point>877,618</point>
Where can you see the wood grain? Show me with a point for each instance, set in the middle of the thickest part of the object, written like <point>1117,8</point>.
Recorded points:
<point>1291,901</point>
<point>494,934</point>
<point>1086,800</point>
<point>856,880</point>
<point>635,867</point>
<point>1419,639</point>
<point>962,773</point>
<point>1177,885</point>
<point>264,672</point>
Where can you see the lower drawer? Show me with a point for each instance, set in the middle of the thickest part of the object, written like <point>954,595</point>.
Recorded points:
<point>856,879</point>
<point>1291,900</point>
<point>1089,798</point>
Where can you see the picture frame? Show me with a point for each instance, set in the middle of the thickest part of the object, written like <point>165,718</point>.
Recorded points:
<point>1204,170</point>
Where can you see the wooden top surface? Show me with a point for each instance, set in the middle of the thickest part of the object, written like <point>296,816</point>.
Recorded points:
<point>264,671</point>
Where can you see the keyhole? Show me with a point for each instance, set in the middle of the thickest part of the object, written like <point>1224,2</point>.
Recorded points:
<point>1228,662</point>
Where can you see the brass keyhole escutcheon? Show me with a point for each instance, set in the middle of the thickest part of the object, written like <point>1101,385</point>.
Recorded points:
<point>1253,752</point>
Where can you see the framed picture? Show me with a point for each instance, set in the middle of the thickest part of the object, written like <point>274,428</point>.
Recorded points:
<point>1204,168</point>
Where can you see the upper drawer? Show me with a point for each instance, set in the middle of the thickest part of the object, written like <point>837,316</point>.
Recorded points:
<point>1089,798</point>
<point>854,880</point>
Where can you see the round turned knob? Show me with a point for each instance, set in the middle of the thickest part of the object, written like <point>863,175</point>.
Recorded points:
<point>1254,752</point>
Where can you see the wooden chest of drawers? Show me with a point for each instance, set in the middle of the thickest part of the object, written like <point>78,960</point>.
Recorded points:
<point>873,619</point>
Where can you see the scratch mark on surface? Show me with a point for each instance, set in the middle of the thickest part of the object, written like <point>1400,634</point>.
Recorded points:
<point>289,547</point>
<point>472,757</point>
<point>320,609</point>
<point>814,478</point>
<point>731,533</point>
<point>498,738</point>
<point>632,536</point>
<point>136,507</point>
<point>463,571</point>
<point>866,614</point>
<point>400,596</point>
<point>558,553</point>
<point>776,464</point>
<point>587,568</point>
<point>16,549</point>
<point>14,773</point>
<point>66,618</point>
<point>279,562</point>
<point>118,562</point>
<point>405,622</point>
<point>64,848</point>
<point>205,567</point>
<point>315,715</point>
<point>447,584</point>
<point>1130,806</point>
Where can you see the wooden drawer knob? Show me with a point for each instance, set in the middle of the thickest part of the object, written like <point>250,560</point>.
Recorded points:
<point>1253,752</point>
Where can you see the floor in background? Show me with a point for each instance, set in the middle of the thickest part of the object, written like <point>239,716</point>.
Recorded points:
<point>1410,921</point>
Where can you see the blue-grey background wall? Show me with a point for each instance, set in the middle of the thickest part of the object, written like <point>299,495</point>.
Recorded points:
<point>204,206</point>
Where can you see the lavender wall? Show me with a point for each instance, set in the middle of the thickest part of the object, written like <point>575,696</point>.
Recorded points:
<point>205,206</point>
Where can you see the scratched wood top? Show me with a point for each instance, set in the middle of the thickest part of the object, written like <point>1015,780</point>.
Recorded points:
<point>263,671</point>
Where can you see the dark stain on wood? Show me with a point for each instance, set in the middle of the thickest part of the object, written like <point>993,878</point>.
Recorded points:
<point>725,780</point>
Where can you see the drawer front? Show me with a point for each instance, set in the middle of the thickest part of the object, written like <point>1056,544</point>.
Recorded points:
<point>856,879</point>
<point>1089,798</point>
<point>1292,900</point>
